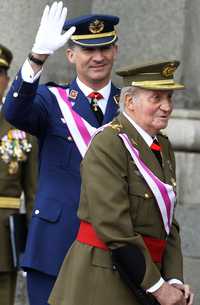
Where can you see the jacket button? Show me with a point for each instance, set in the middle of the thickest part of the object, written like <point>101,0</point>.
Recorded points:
<point>15,94</point>
<point>37,212</point>
<point>114,268</point>
<point>173,181</point>
<point>69,138</point>
<point>146,195</point>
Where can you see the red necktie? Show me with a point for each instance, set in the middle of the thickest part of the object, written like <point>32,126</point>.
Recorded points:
<point>95,96</point>
<point>155,147</point>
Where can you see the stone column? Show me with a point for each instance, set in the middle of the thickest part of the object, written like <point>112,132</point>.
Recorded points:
<point>149,30</point>
<point>190,57</point>
<point>184,133</point>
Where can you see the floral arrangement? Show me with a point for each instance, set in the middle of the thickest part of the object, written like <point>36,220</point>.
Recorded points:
<point>14,147</point>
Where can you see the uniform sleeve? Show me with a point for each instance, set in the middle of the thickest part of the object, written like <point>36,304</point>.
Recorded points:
<point>105,183</point>
<point>173,260</point>
<point>29,176</point>
<point>27,105</point>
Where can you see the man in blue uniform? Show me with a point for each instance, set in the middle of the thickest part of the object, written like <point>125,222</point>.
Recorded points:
<point>63,119</point>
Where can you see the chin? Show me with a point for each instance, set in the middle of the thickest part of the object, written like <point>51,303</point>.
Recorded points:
<point>99,77</point>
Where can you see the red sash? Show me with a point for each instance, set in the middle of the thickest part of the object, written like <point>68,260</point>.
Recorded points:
<point>87,235</point>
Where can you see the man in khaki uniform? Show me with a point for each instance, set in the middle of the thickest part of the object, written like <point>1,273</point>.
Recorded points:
<point>17,175</point>
<point>128,247</point>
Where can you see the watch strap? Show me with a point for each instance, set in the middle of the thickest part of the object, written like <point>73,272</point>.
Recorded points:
<point>37,61</point>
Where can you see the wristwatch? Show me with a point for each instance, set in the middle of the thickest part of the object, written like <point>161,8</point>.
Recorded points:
<point>36,61</point>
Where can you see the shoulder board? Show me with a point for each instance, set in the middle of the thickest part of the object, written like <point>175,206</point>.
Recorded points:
<point>62,85</point>
<point>115,126</point>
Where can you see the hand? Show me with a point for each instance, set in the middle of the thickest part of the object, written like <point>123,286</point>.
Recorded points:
<point>49,37</point>
<point>169,295</point>
<point>188,294</point>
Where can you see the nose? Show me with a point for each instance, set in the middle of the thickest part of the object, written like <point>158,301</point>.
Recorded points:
<point>166,105</point>
<point>98,55</point>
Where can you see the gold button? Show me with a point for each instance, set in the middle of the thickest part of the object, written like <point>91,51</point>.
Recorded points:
<point>69,138</point>
<point>146,195</point>
<point>173,181</point>
<point>16,77</point>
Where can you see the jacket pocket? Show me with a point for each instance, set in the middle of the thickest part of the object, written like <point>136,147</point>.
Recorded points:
<point>101,258</point>
<point>50,210</point>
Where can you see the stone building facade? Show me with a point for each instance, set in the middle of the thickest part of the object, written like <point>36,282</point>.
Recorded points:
<point>149,30</point>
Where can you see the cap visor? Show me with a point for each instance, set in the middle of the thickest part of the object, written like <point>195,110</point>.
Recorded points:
<point>175,86</point>
<point>96,42</point>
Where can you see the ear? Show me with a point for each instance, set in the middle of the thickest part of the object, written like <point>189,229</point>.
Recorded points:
<point>129,102</point>
<point>115,51</point>
<point>70,53</point>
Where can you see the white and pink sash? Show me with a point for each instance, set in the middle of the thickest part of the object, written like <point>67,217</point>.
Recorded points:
<point>164,193</point>
<point>82,133</point>
<point>80,130</point>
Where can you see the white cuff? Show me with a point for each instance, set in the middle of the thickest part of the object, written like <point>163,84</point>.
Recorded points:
<point>175,281</point>
<point>156,286</point>
<point>28,74</point>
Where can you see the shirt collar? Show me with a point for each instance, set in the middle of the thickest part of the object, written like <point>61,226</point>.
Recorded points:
<point>105,91</point>
<point>147,138</point>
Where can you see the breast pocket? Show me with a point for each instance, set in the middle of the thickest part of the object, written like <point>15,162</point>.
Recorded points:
<point>142,202</point>
<point>57,148</point>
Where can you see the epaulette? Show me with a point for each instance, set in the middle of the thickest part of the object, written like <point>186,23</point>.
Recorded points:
<point>116,99</point>
<point>61,85</point>
<point>116,126</point>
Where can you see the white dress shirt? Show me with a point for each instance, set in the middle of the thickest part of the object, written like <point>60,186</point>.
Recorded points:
<point>105,92</point>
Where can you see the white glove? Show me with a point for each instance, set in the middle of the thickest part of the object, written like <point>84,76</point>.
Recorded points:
<point>49,37</point>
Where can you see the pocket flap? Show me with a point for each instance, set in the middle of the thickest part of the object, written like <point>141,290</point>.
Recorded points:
<point>140,189</point>
<point>102,258</point>
<point>49,210</point>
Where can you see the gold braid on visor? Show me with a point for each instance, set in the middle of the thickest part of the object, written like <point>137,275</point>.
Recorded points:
<point>93,36</point>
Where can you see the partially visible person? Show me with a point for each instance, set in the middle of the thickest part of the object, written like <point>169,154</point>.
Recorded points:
<point>63,118</point>
<point>18,171</point>
<point>128,247</point>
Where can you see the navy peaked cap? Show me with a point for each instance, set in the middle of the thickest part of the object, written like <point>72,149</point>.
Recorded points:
<point>93,30</point>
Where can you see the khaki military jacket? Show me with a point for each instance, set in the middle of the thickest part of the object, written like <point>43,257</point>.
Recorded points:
<point>12,186</point>
<point>121,207</point>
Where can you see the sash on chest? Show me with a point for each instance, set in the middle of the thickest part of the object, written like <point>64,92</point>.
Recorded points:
<point>164,193</point>
<point>80,130</point>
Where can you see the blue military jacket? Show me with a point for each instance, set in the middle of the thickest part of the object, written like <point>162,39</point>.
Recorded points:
<point>54,224</point>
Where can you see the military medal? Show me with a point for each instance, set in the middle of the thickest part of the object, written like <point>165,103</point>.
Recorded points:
<point>14,148</point>
<point>13,167</point>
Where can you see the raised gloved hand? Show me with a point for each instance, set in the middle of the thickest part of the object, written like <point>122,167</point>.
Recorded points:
<point>49,37</point>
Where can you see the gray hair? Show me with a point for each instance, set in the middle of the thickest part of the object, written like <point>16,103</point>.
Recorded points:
<point>130,90</point>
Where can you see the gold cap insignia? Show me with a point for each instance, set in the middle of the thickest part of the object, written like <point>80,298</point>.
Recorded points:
<point>96,26</point>
<point>169,70</point>
<point>73,94</point>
